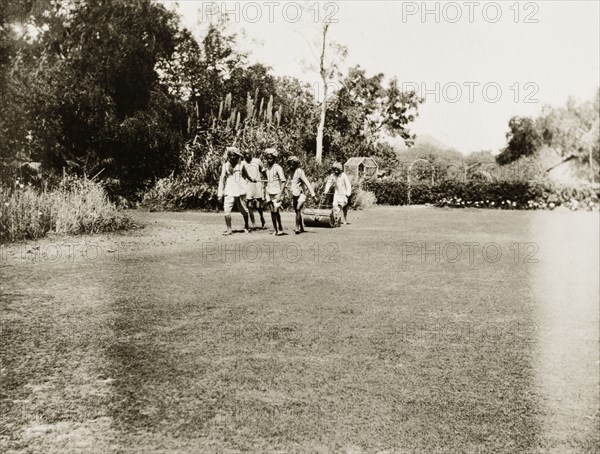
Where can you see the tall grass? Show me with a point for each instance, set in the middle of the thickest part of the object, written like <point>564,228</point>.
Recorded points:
<point>75,206</point>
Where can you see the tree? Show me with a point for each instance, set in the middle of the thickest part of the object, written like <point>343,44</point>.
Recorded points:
<point>323,72</point>
<point>18,33</point>
<point>86,90</point>
<point>573,130</point>
<point>329,58</point>
<point>202,73</point>
<point>365,111</point>
<point>524,139</point>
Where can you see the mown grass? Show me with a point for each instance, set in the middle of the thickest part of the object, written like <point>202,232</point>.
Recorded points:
<point>76,206</point>
<point>350,346</point>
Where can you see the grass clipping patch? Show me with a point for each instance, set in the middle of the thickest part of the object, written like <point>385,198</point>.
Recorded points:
<point>76,206</point>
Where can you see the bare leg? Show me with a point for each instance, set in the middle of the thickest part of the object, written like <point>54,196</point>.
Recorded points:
<point>228,224</point>
<point>338,213</point>
<point>274,219</point>
<point>244,210</point>
<point>251,215</point>
<point>345,214</point>
<point>299,217</point>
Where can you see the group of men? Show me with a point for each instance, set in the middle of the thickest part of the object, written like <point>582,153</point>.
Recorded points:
<point>248,185</point>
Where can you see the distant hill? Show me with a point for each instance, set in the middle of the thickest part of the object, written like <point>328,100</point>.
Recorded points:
<point>426,139</point>
<point>422,139</point>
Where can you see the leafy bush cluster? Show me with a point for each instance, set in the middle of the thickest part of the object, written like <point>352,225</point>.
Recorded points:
<point>485,194</point>
<point>363,199</point>
<point>175,193</point>
<point>75,206</point>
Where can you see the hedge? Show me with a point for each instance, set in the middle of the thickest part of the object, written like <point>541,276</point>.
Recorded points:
<point>483,194</point>
<point>173,194</point>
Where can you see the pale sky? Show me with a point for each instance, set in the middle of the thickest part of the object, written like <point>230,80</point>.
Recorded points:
<point>465,46</point>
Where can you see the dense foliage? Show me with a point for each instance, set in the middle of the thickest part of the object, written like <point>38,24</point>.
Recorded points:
<point>83,94</point>
<point>121,90</point>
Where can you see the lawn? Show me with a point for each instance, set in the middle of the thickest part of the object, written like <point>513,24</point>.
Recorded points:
<point>412,330</point>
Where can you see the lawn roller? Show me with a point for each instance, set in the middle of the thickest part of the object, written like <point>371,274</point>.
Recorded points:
<point>323,215</point>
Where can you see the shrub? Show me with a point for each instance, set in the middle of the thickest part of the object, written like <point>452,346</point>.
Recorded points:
<point>364,200</point>
<point>172,193</point>
<point>419,194</point>
<point>75,206</point>
<point>388,191</point>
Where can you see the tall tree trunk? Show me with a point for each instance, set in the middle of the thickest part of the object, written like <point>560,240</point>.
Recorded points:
<point>323,72</point>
